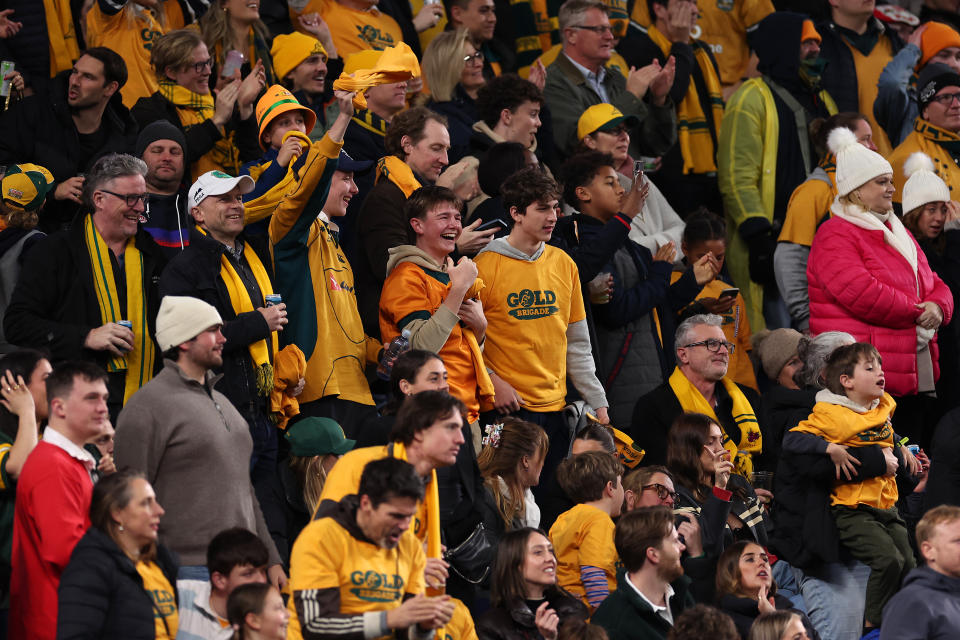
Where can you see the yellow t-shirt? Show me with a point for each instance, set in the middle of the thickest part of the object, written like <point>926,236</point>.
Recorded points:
<point>354,31</point>
<point>869,69</point>
<point>131,33</point>
<point>529,305</point>
<point>362,576</point>
<point>583,536</point>
<point>165,613</point>
<point>173,15</point>
<point>723,25</point>
<point>808,205</point>
<point>461,625</point>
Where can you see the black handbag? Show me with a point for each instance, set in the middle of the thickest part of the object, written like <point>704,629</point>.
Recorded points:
<point>472,558</point>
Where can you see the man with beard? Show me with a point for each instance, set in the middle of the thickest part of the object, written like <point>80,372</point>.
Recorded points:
<point>357,570</point>
<point>303,63</point>
<point>764,153</point>
<point>66,129</point>
<point>161,146</point>
<point>653,590</point>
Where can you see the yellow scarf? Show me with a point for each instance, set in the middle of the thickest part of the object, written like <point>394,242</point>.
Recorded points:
<point>399,173</point>
<point>61,35</point>
<point>750,439</point>
<point>139,361</point>
<point>263,206</point>
<point>432,502</point>
<point>194,109</point>
<point>696,143</point>
<point>260,351</point>
<point>484,383</point>
<point>396,64</point>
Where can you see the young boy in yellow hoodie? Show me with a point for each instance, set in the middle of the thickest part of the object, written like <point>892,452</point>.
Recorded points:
<point>854,411</point>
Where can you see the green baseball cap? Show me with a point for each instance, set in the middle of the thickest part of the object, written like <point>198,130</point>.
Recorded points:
<point>317,437</point>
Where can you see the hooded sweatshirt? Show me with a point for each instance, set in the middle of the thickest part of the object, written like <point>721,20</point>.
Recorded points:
<point>839,420</point>
<point>536,325</point>
<point>926,607</point>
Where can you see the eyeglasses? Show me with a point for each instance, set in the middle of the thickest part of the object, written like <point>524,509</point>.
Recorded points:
<point>662,491</point>
<point>478,56</point>
<point>946,99</point>
<point>713,345</point>
<point>619,130</point>
<point>598,29</point>
<point>200,66</point>
<point>130,198</point>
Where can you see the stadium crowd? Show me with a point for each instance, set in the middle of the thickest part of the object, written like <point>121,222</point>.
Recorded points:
<point>479,319</point>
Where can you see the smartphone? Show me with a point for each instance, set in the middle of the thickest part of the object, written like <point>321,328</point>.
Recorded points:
<point>637,170</point>
<point>496,223</point>
<point>730,293</point>
<point>232,63</point>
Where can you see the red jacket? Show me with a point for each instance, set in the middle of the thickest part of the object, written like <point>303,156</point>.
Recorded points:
<point>860,284</point>
<point>52,514</point>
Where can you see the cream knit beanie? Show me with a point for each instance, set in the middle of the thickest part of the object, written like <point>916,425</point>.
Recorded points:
<point>923,185</point>
<point>856,165</point>
<point>183,318</point>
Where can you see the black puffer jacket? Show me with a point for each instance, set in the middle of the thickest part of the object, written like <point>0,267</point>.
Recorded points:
<point>745,610</point>
<point>517,621</point>
<point>101,594</point>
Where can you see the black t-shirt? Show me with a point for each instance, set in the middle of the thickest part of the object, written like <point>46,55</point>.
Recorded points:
<point>90,144</point>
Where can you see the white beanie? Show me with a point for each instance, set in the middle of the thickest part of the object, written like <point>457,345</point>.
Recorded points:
<point>923,185</point>
<point>856,165</point>
<point>183,318</point>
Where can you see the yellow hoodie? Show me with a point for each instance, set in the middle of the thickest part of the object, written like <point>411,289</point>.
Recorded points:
<point>837,420</point>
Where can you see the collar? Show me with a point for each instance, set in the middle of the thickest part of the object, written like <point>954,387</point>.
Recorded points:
<point>210,380</point>
<point>57,439</point>
<point>657,609</point>
<point>587,74</point>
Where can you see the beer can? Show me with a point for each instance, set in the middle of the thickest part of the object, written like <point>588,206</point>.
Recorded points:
<point>5,67</point>
<point>272,299</point>
<point>125,323</point>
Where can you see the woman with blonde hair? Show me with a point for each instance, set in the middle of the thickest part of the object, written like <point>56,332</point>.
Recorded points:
<point>235,26</point>
<point>453,72</point>
<point>511,461</point>
<point>778,625</point>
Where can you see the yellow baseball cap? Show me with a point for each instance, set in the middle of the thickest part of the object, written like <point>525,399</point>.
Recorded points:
<point>278,100</point>
<point>26,185</point>
<point>290,49</point>
<point>603,117</point>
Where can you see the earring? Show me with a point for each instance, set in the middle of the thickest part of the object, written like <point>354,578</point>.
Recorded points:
<point>120,527</point>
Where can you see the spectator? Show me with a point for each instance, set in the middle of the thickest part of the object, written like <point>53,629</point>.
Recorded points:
<point>162,146</point>
<point>856,47</point>
<point>53,497</point>
<point>235,25</point>
<point>302,64</point>
<point>355,26</point>
<point>944,11</point>
<point>603,128</point>
<point>702,621</point>
<point>417,145</point>
<point>511,462</point>
<point>746,588</point>
<point>256,612</point>
<point>120,584</point>
<point>688,172</point>
<point>533,297</point>
<point>809,205</point>
<point>525,599</point>
<point>935,127</point>
<point>67,128</point>
<point>652,591</point>
<point>706,233</point>
<point>68,301</point>
<point>648,486</point>
<point>167,441</point>
<point>479,18</point>
<point>431,308</point>
<point>579,79</point>
<point>896,107</point>
<point>315,446</point>
<point>781,624</point>
<point>879,286</point>
<point>235,557</point>
<point>627,325</point>
<point>26,189</point>
<point>777,353</point>
<point>699,383</point>
<point>508,110</point>
<point>365,138</point>
<point>762,157</point>
<point>130,30</point>
<point>330,554</point>
<point>927,604</point>
<point>855,411</point>
<point>42,49</point>
<point>500,162</point>
<point>453,71</point>
<point>220,131</point>
<point>586,561</point>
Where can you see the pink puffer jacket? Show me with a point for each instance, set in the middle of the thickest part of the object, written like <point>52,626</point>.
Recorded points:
<point>860,284</point>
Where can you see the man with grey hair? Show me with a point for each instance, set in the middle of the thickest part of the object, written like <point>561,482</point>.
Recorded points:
<point>90,292</point>
<point>581,77</point>
<point>699,384</point>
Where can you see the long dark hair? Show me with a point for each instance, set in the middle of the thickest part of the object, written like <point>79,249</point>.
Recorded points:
<point>21,362</point>
<point>406,367</point>
<point>728,570</point>
<point>508,586</point>
<point>685,441</point>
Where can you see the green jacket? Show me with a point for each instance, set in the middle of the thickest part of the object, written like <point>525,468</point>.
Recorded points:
<point>626,616</point>
<point>567,93</point>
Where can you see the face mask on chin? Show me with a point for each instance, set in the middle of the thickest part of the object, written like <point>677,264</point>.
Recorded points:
<point>811,69</point>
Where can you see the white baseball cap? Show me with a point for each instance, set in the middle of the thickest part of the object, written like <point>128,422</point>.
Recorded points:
<point>216,183</point>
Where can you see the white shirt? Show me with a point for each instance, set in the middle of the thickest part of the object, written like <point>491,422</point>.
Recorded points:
<point>594,80</point>
<point>57,439</point>
<point>663,612</point>
<point>197,620</point>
